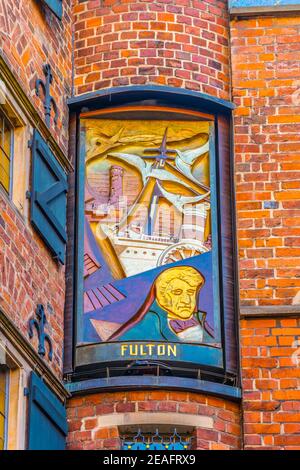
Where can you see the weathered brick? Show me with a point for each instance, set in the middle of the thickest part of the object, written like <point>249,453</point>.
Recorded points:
<point>161,22</point>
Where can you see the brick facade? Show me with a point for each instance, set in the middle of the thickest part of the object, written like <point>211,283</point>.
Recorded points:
<point>88,416</point>
<point>30,37</point>
<point>266,81</point>
<point>29,276</point>
<point>177,43</point>
<point>182,43</point>
<point>271,379</point>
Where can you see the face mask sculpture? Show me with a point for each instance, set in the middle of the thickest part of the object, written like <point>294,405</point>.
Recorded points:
<point>176,291</point>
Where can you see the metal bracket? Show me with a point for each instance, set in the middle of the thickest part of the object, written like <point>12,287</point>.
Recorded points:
<point>39,324</point>
<point>49,101</point>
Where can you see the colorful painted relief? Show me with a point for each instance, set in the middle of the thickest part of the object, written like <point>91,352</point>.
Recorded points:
<point>148,270</point>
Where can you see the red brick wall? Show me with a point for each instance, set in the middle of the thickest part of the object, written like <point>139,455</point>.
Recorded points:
<point>266,83</point>
<point>271,383</point>
<point>266,89</point>
<point>84,417</point>
<point>183,43</point>
<point>29,276</point>
<point>31,36</point>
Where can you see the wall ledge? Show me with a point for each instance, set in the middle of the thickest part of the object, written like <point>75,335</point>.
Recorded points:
<point>109,97</point>
<point>275,10</point>
<point>270,311</point>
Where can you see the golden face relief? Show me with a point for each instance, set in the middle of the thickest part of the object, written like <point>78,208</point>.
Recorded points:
<point>176,291</point>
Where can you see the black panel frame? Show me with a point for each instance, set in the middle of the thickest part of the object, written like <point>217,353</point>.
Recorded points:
<point>186,100</point>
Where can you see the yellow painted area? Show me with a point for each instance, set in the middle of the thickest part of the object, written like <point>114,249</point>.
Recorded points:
<point>2,407</point>
<point>147,189</point>
<point>13,408</point>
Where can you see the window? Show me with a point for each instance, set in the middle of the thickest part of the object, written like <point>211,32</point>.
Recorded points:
<point>157,439</point>
<point>3,406</point>
<point>48,200</point>
<point>6,139</point>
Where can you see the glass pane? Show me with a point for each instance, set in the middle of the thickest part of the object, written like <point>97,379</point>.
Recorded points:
<point>2,401</point>
<point>4,170</point>
<point>2,431</point>
<point>171,441</point>
<point>1,129</point>
<point>7,140</point>
<point>2,407</point>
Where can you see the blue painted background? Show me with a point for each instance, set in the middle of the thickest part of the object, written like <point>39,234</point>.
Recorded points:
<point>136,289</point>
<point>261,3</point>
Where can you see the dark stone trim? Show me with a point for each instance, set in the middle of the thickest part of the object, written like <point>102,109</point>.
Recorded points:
<point>270,311</point>
<point>25,349</point>
<point>187,100</point>
<point>177,96</point>
<point>70,252</point>
<point>149,382</point>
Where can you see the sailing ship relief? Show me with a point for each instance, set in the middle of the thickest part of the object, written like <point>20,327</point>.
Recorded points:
<point>147,208</point>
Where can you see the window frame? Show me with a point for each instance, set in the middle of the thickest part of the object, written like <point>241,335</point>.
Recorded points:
<point>5,370</point>
<point>186,100</point>
<point>5,117</point>
<point>143,437</point>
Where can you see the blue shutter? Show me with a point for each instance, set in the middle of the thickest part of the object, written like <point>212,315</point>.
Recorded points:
<point>55,6</point>
<point>48,197</point>
<point>47,428</point>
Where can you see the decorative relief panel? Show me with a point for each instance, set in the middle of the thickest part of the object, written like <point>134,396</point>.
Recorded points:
<point>150,263</point>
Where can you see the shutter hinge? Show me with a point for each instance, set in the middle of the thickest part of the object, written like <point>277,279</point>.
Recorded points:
<point>30,142</point>
<point>28,194</point>
<point>57,258</point>
<point>26,392</point>
<point>68,378</point>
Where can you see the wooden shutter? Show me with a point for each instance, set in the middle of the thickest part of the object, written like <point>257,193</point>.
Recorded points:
<point>48,197</point>
<point>55,6</point>
<point>47,428</point>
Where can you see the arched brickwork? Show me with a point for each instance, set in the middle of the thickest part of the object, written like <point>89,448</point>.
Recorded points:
<point>95,420</point>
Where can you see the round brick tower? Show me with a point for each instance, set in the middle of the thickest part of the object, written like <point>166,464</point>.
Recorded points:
<point>172,44</point>
<point>180,43</point>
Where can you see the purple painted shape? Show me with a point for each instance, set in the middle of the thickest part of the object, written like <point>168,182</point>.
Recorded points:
<point>135,289</point>
<point>100,295</point>
<point>88,306</point>
<point>94,299</point>
<point>104,291</point>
